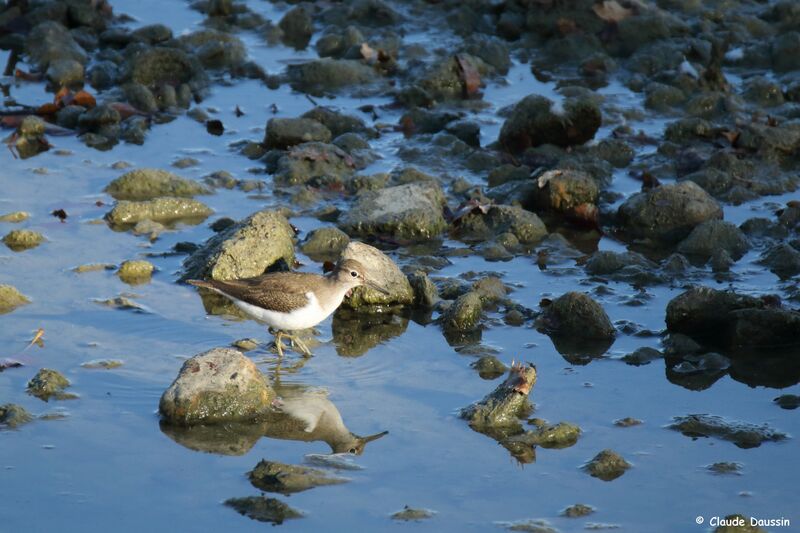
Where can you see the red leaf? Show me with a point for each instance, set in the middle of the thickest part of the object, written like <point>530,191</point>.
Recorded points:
<point>469,75</point>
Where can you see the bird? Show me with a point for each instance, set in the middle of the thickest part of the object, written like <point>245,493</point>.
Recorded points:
<point>290,301</point>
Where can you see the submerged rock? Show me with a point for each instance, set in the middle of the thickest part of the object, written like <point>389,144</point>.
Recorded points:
<point>383,271</point>
<point>157,66</point>
<point>607,465</point>
<point>20,240</point>
<point>13,416</point>
<point>263,509</point>
<point>410,514</point>
<point>506,404</point>
<point>244,250</point>
<point>10,299</point>
<point>135,272</point>
<point>576,315</point>
<point>150,183</point>
<point>324,75</point>
<point>408,212</point>
<point>14,217</point>
<point>164,210</point>
<point>216,387</point>
<point>536,120</point>
<point>742,434</point>
<point>464,314</point>
<point>325,244</point>
<point>577,511</point>
<point>668,213</point>
<point>285,132</point>
<point>788,401</point>
<point>316,163</point>
<point>498,219</point>
<point>489,367</point>
<point>425,292</point>
<point>271,476</point>
<point>48,384</point>
<point>714,236</point>
<point>561,435</point>
<point>782,259</point>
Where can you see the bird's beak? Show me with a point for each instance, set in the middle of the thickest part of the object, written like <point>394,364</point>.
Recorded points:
<point>373,285</point>
<point>376,436</point>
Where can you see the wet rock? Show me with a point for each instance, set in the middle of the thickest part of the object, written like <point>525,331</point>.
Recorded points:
<point>578,510</point>
<point>668,213</point>
<point>620,265</point>
<point>263,509</point>
<point>410,212</point>
<point>325,244</point>
<point>271,476</point>
<point>383,271</point>
<point>30,139</point>
<point>156,66</point>
<point>409,514</point>
<point>13,416</point>
<point>285,132</point>
<point>732,320</point>
<point>215,49</point>
<point>48,384</point>
<point>607,465</point>
<point>491,50</point>
<point>662,97</point>
<point>164,210</point>
<point>530,526</point>
<point>736,523</point>
<point>788,401</point>
<point>536,120</point>
<point>216,387</point>
<point>576,315</point>
<point>123,303</point>
<point>101,119</point>
<point>742,434</point>
<point>150,229</point>
<point>642,356</point>
<point>15,217</point>
<point>297,27</point>
<point>561,435</point>
<point>244,250</point>
<point>713,236</point>
<point>479,226</point>
<point>325,75</point>
<point>352,143</point>
<point>467,131</point>
<point>150,183</point>
<point>49,42</point>
<point>140,97</point>
<point>316,163</point>
<point>444,80</point>
<point>489,367</point>
<point>65,73</point>
<point>786,52</point>
<point>338,123</point>
<point>782,259</point>
<point>105,364</point>
<point>425,292</point>
<point>725,468</point>
<point>135,272</point>
<point>152,34</point>
<point>506,404</point>
<point>563,191</point>
<point>19,240</point>
<point>464,314</point>
<point>508,173</point>
<point>627,422</point>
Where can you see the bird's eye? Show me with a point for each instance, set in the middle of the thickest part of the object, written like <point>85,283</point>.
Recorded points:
<point>352,450</point>
<point>354,273</point>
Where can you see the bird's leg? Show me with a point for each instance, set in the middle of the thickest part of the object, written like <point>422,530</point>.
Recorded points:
<point>278,342</point>
<point>301,345</point>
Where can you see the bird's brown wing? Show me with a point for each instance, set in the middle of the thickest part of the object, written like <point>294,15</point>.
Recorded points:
<point>280,292</point>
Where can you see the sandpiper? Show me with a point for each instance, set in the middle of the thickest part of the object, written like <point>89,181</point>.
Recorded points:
<point>289,301</point>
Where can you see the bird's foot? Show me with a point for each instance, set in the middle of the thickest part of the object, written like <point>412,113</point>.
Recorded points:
<point>299,345</point>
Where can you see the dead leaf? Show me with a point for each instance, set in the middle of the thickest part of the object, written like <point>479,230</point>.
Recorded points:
<point>586,215</point>
<point>732,136</point>
<point>368,53</point>
<point>547,176</point>
<point>469,76</point>
<point>611,11</point>
<point>37,339</point>
<point>85,99</point>
<point>471,206</point>
<point>47,109</point>
<point>125,110</point>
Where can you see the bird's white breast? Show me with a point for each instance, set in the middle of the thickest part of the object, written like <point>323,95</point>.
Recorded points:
<point>301,318</point>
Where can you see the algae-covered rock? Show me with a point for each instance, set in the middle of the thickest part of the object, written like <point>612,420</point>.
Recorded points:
<point>736,523</point>
<point>425,292</point>
<point>13,416</point>
<point>271,476</point>
<point>49,41</point>
<point>383,271</point>
<point>464,314</point>
<point>408,212</point>
<point>725,468</point>
<point>216,387</point>
<point>325,75</point>
<point>356,332</point>
<point>576,315</point>
<point>14,217</point>
<point>561,435</point>
<point>135,272</point>
<point>150,183</point>
<point>410,514</point>
<point>742,434</point>
<point>788,401</point>
<point>19,240</point>
<point>489,367</point>
<point>105,364</point>
<point>782,259</point>
<point>480,225</point>
<point>315,163</point>
<point>157,66</point>
<point>506,404</point>
<point>577,511</point>
<point>10,299</point>
<point>285,132</point>
<point>163,210</point>
<point>607,465</point>
<point>48,384</point>
<point>563,191</point>
<point>325,244</point>
<point>536,120</point>
<point>339,123</point>
<point>713,236</point>
<point>243,250</point>
<point>668,213</point>
<point>263,509</point>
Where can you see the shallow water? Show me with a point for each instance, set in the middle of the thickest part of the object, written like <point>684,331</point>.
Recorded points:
<point>107,465</point>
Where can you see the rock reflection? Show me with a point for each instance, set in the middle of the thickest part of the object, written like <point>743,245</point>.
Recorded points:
<point>300,414</point>
<point>355,333</point>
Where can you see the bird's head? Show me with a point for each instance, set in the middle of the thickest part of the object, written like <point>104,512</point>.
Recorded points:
<point>351,273</point>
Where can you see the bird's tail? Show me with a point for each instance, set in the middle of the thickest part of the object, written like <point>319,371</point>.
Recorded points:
<point>200,283</point>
